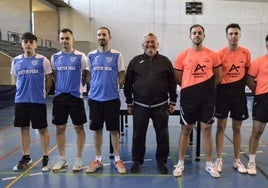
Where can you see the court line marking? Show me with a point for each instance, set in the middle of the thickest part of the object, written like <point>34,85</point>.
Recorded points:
<point>17,178</point>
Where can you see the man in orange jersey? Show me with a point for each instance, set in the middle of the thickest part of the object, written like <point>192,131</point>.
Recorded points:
<point>257,80</point>
<point>230,94</point>
<point>197,71</point>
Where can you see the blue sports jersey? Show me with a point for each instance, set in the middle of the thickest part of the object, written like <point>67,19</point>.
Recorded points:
<point>104,69</point>
<point>68,68</point>
<point>30,73</point>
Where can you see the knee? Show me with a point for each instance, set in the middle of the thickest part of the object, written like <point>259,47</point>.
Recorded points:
<point>79,129</point>
<point>60,130</point>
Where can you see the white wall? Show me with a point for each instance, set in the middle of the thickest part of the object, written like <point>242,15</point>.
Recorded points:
<point>129,20</point>
<point>15,16</point>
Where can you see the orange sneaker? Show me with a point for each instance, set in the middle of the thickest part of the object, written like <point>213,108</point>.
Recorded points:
<point>119,165</point>
<point>95,165</point>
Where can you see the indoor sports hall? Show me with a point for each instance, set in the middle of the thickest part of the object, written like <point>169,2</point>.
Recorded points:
<point>128,20</point>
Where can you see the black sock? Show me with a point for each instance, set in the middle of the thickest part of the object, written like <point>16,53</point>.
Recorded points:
<point>26,156</point>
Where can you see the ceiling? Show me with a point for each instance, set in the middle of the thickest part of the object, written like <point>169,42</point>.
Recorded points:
<point>48,5</point>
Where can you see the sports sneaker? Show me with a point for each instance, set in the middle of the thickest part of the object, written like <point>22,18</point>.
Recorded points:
<point>119,165</point>
<point>240,167</point>
<point>23,164</point>
<point>60,165</point>
<point>95,165</point>
<point>178,170</point>
<point>218,165</point>
<point>212,171</point>
<point>135,168</point>
<point>46,165</point>
<point>252,168</point>
<point>78,165</point>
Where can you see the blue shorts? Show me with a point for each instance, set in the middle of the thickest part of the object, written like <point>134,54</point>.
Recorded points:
<point>26,113</point>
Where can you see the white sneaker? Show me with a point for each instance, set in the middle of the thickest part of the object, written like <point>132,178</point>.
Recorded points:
<point>47,167</point>
<point>60,165</point>
<point>78,165</point>
<point>252,168</point>
<point>218,165</point>
<point>212,171</point>
<point>240,167</point>
<point>178,170</point>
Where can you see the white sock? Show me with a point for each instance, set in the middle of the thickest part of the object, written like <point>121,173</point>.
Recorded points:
<point>252,158</point>
<point>116,158</point>
<point>208,163</point>
<point>237,160</point>
<point>219,159</point>
<point>99,158</point>
<point>180,162</point>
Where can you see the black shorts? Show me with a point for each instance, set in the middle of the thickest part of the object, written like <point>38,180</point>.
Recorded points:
<point>260,108</point>
<point>100,112</point>
<point>190,114</point>
<point>26,113</point>
<point>65,105</point>
<point>236,105</point>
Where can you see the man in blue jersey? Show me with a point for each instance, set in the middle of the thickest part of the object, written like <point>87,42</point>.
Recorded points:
<point>33,80</point>
<point>70,72</point>
<point>107,75</point>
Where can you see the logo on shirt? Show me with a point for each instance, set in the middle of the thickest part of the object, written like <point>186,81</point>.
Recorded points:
<point>34,62</point>
<point>109,59</point>
<point>199,71</point>
<point>73,59</point>
<point>199,67</point>
<point>233,67</point>
<point>233,71</point>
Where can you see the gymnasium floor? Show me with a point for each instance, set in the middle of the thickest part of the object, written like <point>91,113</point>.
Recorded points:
<point>194,174</point>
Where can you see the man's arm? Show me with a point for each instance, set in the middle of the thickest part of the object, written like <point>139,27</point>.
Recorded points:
<point>49,82</point>
<point>122,77</point>
<point>217,75</point>
<point>251,83</point>
<point>85,77</point>
<point>178,76</point>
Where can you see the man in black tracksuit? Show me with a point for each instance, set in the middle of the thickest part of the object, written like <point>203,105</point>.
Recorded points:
<point>150,91</point>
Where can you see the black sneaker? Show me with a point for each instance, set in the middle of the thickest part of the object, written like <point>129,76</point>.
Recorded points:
<point>162,168</point>
<point>135,168</point>
<point>46,164</point>
<point>23,163</point>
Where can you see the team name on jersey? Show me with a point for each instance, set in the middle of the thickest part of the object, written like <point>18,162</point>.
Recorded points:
<point>101,68</point>
<point>61,68</point>
<point>31,71</point>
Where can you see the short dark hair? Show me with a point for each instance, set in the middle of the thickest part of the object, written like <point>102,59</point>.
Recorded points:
<point>66,30</point>
<point>28,36</point>
<point>232,25</point>
<point>106,28</point>
<point>266,38</point>
<point>197,25</point>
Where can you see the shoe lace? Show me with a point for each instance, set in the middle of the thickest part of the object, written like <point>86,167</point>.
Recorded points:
<point>24,160</point>
<point>251,166</point>
<point>120,164</point>
<point>95,163</point>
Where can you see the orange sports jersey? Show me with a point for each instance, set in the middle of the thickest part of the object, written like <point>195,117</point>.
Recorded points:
<point>234,64</point>
<point>197,66</point>
<point>259,69</point>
